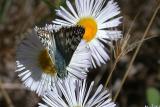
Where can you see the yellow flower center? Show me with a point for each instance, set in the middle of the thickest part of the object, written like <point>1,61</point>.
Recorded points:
<point>90,26</point>
<point>45,63</point>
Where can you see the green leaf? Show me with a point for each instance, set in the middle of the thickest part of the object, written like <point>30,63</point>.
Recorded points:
<point>153,96</point>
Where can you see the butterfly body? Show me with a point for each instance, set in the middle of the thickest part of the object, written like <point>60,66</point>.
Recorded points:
<point>61,46</point>
<point>60,64</point>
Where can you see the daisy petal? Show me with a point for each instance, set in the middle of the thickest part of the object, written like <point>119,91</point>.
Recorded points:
<point>76,93</point>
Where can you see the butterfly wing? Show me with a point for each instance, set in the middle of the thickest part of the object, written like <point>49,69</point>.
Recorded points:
<point>67,40</point>
<point>47,40</point>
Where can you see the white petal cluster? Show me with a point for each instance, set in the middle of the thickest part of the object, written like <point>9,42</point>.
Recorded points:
<point>77,94</point>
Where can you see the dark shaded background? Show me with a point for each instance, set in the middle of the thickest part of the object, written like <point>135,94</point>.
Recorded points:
<point>18,16</point>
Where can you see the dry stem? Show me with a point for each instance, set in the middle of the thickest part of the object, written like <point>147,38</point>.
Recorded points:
<point>137,49</point>
<point>122,49</point>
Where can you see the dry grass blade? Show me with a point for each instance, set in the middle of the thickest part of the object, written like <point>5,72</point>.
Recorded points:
<point>137,50</point>
<point>119,49</point>
<point>123,43</point>
<point>13,86</point>
<point>132,46</point>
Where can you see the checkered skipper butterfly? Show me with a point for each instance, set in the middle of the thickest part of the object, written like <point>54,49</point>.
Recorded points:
<point>61,45</point>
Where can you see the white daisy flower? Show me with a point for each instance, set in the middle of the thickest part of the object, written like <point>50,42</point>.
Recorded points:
<point>98,18</point>
<point>76,94</point>
<point>40,62</point>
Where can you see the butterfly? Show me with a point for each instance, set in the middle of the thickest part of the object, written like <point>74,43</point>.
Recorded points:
<point>61,45</point>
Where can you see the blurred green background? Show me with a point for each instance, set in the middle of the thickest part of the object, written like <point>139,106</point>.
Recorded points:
<point>143,84</point>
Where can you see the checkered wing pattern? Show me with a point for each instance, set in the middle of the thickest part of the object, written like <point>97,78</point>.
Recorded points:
<point>47,39</point>
<point>67,39</point>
